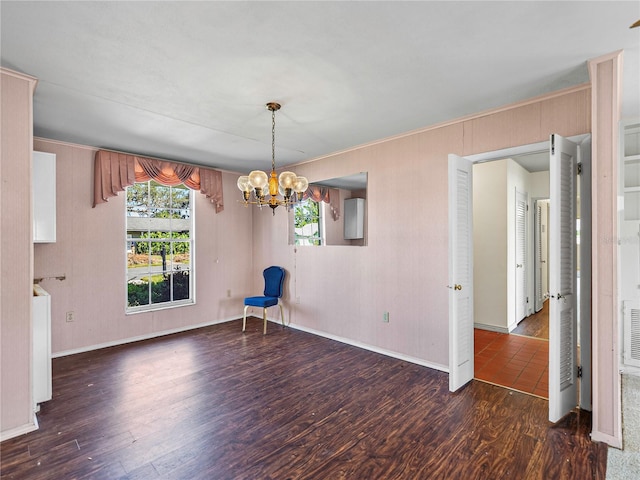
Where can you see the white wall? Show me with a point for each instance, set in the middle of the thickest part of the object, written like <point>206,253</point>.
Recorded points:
<point>490,261</point>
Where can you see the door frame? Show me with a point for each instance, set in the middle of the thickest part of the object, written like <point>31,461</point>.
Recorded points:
<point>584,318</point>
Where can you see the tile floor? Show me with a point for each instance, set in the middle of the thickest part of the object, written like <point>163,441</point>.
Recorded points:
<point>512,361</point>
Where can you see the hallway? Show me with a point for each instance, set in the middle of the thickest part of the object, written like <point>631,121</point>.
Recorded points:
<point>516,361</point>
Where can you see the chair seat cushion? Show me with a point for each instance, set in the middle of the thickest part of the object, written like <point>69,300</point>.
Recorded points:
<point>261,301</point>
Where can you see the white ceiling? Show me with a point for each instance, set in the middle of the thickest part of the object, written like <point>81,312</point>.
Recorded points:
<point>188,80</point>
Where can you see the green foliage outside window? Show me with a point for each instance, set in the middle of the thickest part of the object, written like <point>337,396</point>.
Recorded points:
<point>307,223</point>
<point>138,293</point>
<point>142,246</point>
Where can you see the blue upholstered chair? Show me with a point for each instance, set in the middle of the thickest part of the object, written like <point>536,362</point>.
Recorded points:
<point>273,287</point>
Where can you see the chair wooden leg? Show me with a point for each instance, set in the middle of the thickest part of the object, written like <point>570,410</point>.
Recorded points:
<point>244,318</point>
<point>281,314</point>
<point>264,316</point>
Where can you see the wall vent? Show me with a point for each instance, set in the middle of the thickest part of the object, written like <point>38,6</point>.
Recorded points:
<point>631,333</point>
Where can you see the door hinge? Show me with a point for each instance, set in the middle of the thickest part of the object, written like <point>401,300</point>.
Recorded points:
<point>553,144</point>
<point>527,299</point>
<point>579,372</point>
<point>579,168</point>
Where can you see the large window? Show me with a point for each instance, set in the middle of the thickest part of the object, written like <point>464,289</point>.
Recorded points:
<point>159,246</point>
<point>307,222</point>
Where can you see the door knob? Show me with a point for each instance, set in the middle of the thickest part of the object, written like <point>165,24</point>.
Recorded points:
<point>457,287</point>
<point>518,265</point>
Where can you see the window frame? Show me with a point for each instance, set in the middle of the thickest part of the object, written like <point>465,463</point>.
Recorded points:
<point>170,240</point>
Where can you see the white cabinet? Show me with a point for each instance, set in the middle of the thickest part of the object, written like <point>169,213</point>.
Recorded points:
<point>41,345</point>
<point>44,197</point>
<point>353,218</point>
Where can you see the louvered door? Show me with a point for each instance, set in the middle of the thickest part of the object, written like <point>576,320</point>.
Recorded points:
<point>538,258</point>
<point>562,279</point>
<point>460,272</point>
<point>521,255</point>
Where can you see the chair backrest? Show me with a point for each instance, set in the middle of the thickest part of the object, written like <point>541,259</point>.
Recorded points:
<point>273,281</point>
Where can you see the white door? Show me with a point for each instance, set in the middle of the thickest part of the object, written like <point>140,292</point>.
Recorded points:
<point>562,278</point>
<point>460,272</point>
<point>521,256</point>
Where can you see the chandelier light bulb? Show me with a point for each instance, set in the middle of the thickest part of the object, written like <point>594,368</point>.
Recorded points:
<point>301,184</point>
<point>258,179</point>
<point>287,179</point>
<point>243,184</point>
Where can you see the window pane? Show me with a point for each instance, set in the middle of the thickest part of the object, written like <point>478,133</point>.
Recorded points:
<point>160,196</point>
<point>138,292</point>
<point>138,196</point>
<point>181,286</point>
<point>180,199</point>
<point>160,288</point>
<point>182,255</point>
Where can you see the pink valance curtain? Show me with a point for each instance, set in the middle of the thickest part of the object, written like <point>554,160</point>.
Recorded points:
<point>326,195</point>
<point>114,171</point>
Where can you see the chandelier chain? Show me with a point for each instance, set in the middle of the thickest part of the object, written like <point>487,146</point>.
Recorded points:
<point>273,140</point>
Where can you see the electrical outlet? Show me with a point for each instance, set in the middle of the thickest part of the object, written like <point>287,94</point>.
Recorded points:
<point>71,317</point>
<point>298,300</point>
<point>385,317</point>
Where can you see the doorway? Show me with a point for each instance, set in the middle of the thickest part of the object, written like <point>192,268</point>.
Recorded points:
<point>507,352</point>
<point>566,157</point>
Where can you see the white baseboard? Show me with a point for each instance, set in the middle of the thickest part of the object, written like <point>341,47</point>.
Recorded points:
<point>21,430</point>
<point>491,328</point>
<point>140,337</point>
<point>372,348</point>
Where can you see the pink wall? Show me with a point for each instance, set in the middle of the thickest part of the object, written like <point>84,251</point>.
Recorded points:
<point>606,73</point>
<point>89,253</point>
<point>344,291</point>
<point>16,255</point>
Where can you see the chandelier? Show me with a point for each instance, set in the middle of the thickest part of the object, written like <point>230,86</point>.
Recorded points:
<point>257,185</point>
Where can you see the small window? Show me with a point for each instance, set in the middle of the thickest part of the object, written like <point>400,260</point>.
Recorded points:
<point>307,221</point>
<point>159,246</point>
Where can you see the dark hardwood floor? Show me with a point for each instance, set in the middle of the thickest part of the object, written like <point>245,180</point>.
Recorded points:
<point>214,403</point>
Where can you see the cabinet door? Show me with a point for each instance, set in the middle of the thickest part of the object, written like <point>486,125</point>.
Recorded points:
<point>44,197</point>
